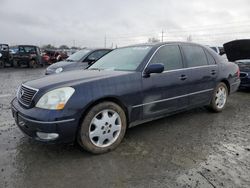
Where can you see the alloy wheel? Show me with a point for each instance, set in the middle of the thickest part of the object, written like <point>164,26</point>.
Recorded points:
<point>105,128</point>
<point>221,97</point>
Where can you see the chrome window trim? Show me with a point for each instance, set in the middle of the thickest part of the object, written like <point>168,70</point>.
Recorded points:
<point>172,98</point>
<point>187,68</point>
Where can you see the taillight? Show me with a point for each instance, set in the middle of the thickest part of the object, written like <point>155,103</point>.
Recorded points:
<point>238,72</point>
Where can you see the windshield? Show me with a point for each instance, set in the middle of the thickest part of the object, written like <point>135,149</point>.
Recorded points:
<point>4,47</point>
<point>27,49</point>
<point>123,59</point>
<point>78,55</point>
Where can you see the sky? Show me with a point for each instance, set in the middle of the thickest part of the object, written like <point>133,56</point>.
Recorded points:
<point>85,23</point>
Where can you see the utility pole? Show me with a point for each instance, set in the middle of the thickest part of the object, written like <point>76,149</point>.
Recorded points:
<point>162,35</point>
<point>105,41</point>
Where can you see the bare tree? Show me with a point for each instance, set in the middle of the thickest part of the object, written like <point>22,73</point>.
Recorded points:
<point>153,40</point>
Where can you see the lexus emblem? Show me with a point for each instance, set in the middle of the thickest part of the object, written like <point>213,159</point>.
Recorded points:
<point>22,93</point>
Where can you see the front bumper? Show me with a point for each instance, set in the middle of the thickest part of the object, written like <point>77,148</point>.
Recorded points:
<point>58,130</point>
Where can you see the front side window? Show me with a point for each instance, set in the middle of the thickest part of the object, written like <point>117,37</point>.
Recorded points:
<point>195,55</point>
<point>169,56</point>
<point>122,59</point>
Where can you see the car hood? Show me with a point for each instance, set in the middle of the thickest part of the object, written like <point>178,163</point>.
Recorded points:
<point>72,78</point>
<point>62,64</point>
<point>237,50</point>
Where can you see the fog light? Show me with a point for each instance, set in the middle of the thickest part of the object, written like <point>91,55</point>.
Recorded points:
<point>47,136</point>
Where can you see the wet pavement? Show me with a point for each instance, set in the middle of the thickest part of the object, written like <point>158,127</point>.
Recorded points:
<point>192,149</point>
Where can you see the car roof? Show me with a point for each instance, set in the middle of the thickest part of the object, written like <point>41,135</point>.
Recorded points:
<point>27,45</point>
<point>158,44</point>
<point>94,49</point>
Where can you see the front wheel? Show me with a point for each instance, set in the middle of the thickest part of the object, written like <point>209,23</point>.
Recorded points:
<point>219,98</point>
<point>103,128</point>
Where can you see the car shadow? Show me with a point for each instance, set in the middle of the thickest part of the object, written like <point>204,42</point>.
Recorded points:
<point>176,142</point>
<point>244,90</point>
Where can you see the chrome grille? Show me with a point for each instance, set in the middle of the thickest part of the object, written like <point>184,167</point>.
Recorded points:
<point>26,94</point>
<point>243,74</point>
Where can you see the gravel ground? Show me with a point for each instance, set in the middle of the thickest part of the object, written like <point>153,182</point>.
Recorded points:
<point>192,149</point>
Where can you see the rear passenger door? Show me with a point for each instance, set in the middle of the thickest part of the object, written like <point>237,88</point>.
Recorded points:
<point>201,72</point>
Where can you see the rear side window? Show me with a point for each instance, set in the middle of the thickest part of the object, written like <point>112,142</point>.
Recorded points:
<point>195,55</point>
<point>98,54</point>
<point>170,56</point>
<point>210,59</point>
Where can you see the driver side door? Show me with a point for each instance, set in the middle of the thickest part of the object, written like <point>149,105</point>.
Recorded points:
<point>165,92</point>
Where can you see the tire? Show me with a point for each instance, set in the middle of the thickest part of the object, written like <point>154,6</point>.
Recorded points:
<point>2,64</point>
<point>219,99</point>
<point>33,64</point>
<point>15,64</point>
<point>103,128</point>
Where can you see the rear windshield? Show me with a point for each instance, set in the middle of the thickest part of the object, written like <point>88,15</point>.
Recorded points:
<point>78,55</point>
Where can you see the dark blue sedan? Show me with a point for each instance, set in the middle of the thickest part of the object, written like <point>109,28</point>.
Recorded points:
<point>127,87</point>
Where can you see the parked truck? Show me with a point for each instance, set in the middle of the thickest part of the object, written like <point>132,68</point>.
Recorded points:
<point>28,56</point>
<point>5,56</point>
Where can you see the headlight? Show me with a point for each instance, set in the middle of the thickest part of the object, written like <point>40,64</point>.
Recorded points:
<point>58,70</point>
<point>0,55</point>
<point>55,99</point>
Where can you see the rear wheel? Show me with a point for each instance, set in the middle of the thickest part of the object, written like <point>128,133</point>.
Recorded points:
<point>103,128</point>
<point>15,64</point>
<point>219,99</point>
<point>33,64</point>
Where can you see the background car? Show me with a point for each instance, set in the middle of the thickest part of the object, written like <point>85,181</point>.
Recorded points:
<point>5,56</point>
<point>79,60</point>
<point>219,50</point>
<point>28,56</point>
<point>52,56</point>
<point>238,51</point>
<point>126,87</point>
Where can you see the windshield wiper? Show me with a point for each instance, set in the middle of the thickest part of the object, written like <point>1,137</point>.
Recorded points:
<point>69,60</point>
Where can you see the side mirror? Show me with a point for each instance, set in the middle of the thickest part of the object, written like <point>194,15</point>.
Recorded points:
<point>153,68</point>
